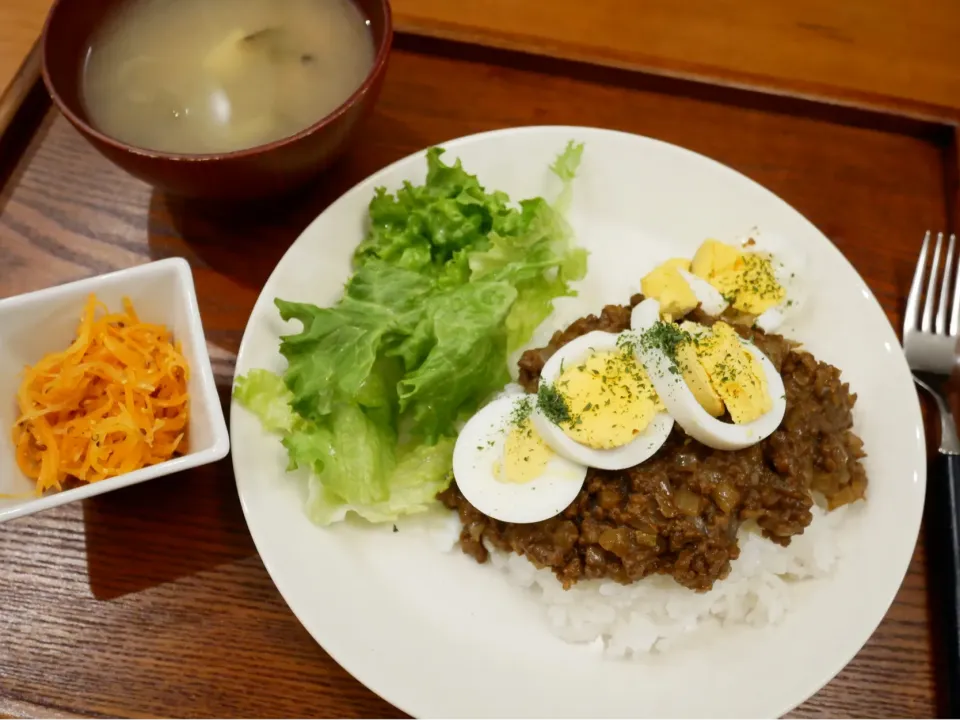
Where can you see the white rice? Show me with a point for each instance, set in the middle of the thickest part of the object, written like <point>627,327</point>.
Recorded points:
<point>652,615</point>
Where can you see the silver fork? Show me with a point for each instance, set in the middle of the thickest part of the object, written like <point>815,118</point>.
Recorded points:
<point>930,334</point>
<point>931,328</point>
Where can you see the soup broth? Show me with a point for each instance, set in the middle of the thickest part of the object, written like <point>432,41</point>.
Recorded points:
<point>213,76</point>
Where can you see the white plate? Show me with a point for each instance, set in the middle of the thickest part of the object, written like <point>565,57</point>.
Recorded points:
<point>438,635</point>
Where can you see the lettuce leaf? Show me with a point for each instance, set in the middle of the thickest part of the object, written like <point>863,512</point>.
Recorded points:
<point>351,457</point>
<point>350,453</point>
<point>449,279</point>
<point>413,484</point>
<point>467,361</point>
<point>539,260</point>
<point>265,395</point>
<point>334,353</point>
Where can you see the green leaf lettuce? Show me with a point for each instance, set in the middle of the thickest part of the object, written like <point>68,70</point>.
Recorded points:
<point>449,279</point>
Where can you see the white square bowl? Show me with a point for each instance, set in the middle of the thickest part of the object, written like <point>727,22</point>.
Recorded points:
<point>44,321</point>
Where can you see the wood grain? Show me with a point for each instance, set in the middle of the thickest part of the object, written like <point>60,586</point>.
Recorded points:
<point>152,601</point>
<point>873,53</point>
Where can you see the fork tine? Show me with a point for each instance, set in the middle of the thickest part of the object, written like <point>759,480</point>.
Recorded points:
<point>955,305</point>
<point>926,323</point>
<point>940,322</point>
<point>911,316</point>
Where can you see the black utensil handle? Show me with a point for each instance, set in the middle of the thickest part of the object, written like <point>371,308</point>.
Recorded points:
<point>943,551</point>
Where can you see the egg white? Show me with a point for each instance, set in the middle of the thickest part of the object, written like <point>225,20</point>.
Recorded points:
<point>480,446</point>
<point>683,406</point>
<point>633,453</point>
<point>710,299</point>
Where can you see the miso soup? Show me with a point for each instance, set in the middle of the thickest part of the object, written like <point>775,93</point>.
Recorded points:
<point>213,76</point>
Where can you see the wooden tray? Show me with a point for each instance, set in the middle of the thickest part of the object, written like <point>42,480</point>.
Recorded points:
<point>152,600</point>
<point>20,25</point>
<point>887,54</point>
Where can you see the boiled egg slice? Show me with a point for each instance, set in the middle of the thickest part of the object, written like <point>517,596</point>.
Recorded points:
<point>679,291</point>
<point>759,276</point>
<point>745,382</point>
<point>506,471</point>
<point>789,269</point>
<point>596,405</point>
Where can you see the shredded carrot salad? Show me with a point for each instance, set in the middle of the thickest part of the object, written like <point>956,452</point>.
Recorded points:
<point>115,401</point>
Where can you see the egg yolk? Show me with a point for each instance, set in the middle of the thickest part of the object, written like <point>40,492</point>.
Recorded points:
<point>735,375</point>
<point>679,344</point>
<point>746,279</point>
<point>697,379</point>
<point>609,399</point>
<point>666,285</point>
<point>525,455</point>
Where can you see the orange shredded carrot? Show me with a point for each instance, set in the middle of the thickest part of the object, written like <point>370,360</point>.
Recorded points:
<point>113,402</point>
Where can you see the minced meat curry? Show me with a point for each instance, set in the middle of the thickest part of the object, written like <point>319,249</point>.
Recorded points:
<point>678,513</point>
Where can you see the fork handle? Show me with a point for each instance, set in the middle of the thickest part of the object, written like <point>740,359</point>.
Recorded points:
<point>943,551</point>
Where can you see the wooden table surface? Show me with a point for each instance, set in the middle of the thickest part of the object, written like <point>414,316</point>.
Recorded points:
<point>151,601</point>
